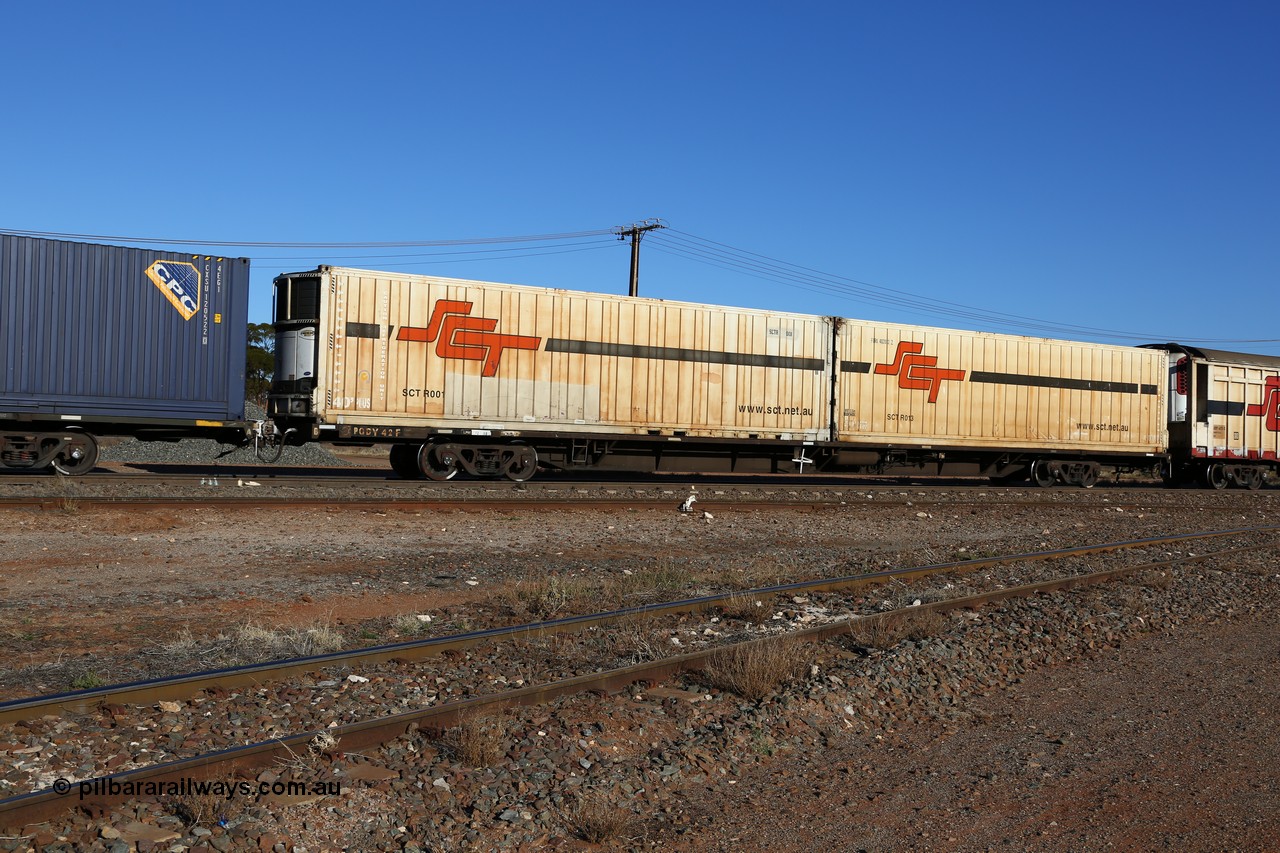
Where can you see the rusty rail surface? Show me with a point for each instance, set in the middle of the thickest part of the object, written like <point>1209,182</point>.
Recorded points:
<point>477,504</point>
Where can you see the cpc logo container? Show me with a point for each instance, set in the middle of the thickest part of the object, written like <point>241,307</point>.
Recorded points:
<point>179,281</point>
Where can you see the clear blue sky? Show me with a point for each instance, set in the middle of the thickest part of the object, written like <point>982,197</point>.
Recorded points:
<point>1112,165</point>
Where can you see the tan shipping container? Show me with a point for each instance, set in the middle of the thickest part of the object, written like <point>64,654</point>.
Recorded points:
<point>466,356</point>
<point>1234,412</point>
<point>921,387</point>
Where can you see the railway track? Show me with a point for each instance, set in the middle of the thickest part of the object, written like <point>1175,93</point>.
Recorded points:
<point>359,734</point>
<point>302,493</point>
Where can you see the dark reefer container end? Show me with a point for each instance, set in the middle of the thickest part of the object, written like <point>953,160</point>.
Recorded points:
<point>120,339</point>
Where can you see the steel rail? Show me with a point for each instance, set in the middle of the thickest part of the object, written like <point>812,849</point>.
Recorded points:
<point>458,504</point>
<point>150,691</point>
<point>27,809</point>
<point>539,502</point>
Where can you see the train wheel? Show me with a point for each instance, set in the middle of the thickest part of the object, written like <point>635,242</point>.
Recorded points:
<point>1089,477</point>
<point>524,465</point>
<point>1214,476</point>
<point>404,461</point>
<point>1250,478</point>
<point>1042,475</point>
<point>78,456</point>
<point>269,448</point>
<point>438,462</point>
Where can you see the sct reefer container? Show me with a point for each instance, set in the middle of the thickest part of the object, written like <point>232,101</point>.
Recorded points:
<point>118,340</point>
<point>394,356</point>
<point>495,379</point>
<point>920,387</point>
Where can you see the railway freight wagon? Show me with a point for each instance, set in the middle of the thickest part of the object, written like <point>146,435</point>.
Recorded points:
<point>1005,406</point>
<point>107,340</point>
<point>496,379</point>
<point>1224,416</point>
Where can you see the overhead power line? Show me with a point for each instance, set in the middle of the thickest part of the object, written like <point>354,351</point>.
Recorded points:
<point>596,244</point>
<point>702,250</point>
<point>684,245</point>
<point>399,244</point>
<point>452,257</point>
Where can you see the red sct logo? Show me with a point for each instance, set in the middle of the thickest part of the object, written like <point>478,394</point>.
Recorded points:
<point>460,336</point>
<point>918,372</point>
<point>1270,405</point>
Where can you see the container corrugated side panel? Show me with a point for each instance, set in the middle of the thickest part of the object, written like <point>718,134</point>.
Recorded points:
<point>87,332</point>
<point>1244,412</point>
<point>454,354</point>
<point>918,386</point>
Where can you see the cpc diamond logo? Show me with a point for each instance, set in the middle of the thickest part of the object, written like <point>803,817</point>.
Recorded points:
<point>179,281</point>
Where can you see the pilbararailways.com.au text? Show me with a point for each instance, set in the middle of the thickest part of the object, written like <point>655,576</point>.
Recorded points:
<point>226,789</point>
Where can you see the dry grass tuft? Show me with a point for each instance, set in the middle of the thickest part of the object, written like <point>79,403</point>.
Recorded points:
<point>479,739</point>
<point>772,570</point>
<point>748,608</point>
<point>638,639</point>
<point>202,809</point>
<point>886,631</point>
<point>543,597</point>
<point>549,648</point>
<point>754,670</point>
<point>251,643</point>
<point>308,763</point>
<point>596,819</point>
<point>409,625</point>
<point>251,639</point>
<point>664,580</point>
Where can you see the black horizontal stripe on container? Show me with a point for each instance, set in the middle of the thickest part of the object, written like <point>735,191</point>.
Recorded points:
<point>1224,407</point>
<point>364,330</point>
<point>703,356</point>
<point>855,367</point>
<point>1061,382</point>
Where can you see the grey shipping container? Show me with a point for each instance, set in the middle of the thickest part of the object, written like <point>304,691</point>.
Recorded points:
<point>123,337</point>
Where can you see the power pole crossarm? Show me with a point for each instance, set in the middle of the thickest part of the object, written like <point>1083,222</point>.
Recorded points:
<point>635,232</point>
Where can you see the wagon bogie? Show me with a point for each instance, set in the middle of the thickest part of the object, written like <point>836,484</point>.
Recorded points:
<point>69,452</point>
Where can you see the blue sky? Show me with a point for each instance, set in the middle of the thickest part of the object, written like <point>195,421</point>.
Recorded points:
<point>1104,170</point>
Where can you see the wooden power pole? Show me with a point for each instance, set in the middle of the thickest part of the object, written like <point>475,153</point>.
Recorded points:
<point>635,232</point>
